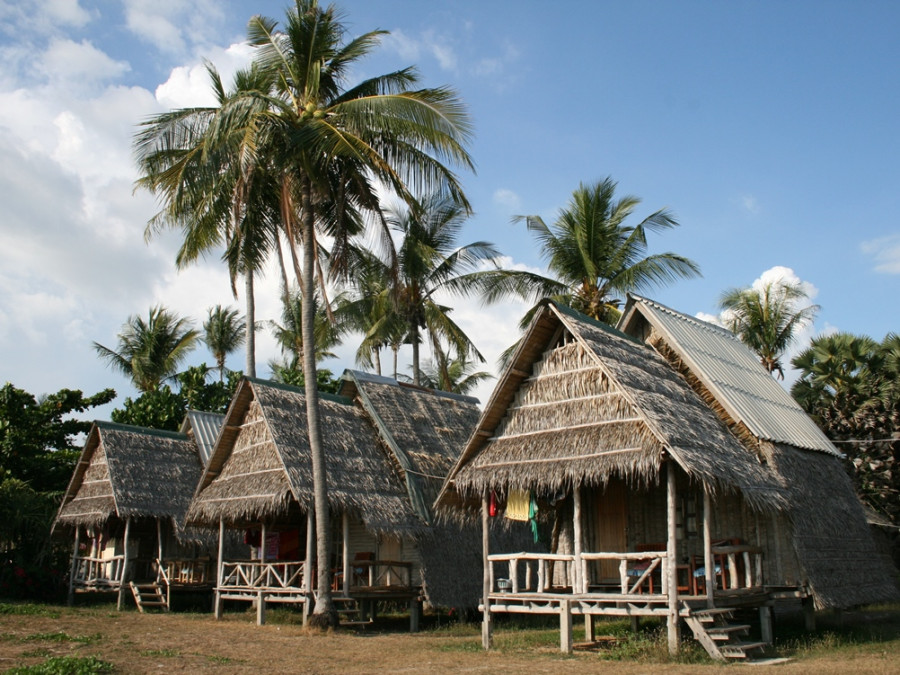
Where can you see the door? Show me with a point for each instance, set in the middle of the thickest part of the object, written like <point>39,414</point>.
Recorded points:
<point>611,524</point>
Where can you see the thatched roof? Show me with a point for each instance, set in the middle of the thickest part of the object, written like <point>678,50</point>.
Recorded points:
<point>130,471</point>
<point>580,402</point>
<point>423,428</point>
<point>261,467</point>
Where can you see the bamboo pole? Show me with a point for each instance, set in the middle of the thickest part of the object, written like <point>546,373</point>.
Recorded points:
<point>345,527</point>
<point>579,580</point>
<point>671,560</point>
<point>74,570</point>
<point>220,569</point>
<point>486,577</point>
<point>122,581</point>
<point>708,565</point>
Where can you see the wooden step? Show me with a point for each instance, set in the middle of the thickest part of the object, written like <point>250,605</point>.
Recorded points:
<point>728,628</point>
<point>738,650</point>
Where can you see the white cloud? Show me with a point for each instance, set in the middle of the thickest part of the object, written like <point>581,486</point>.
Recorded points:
<point>173,26</point>
<point>401,43</point>
<point>750,204</point>
<point>886,252</point>
<point>74,64</point>
<point>445,55</point>
<point>507,199</point>
<point>41,16</point>
<point>497,66</point>
<point>189,86</point>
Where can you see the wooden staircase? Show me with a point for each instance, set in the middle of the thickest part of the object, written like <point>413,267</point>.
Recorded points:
<point>149,594</point>
<point>721,639</point>
<point>350,612</point>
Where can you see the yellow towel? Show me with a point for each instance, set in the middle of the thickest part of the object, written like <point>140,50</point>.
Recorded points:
<point>517,505</point>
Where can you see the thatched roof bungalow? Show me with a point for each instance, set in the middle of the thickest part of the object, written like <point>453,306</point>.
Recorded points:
<point>128,497</point>
<point>656,498</point>
<point>259,477</point>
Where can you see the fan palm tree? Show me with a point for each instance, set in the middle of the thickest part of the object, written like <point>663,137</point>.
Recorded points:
<point>767,319</point>
<point>331,145</point>
<point>206,166</point>
<point>150,351</point>
<point>224,331</point>
<point>594,257</point>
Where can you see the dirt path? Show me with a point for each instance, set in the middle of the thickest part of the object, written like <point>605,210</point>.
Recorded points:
<point>190,643</point>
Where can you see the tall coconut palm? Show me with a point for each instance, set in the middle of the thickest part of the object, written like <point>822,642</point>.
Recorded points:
<point>332,144</point>
<point>206,166</point>
<point>594,257</point>
<point>289,336</point>
<point>224,331</point>
<point>456,375</point>
<point>150,351</point>
<point>767,319</point>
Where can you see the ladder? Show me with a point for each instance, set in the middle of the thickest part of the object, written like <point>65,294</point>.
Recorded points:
<point>148,595</point>
<point>721,639</point>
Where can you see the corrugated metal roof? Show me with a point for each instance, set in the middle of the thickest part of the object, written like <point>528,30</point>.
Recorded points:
<point>205,426</point>
<point>735,376</point>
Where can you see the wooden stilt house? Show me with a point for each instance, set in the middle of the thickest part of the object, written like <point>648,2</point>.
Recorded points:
<point>660,506</point>
<point>259,480</point>
<point>423,431</point>
<point>126,504</point>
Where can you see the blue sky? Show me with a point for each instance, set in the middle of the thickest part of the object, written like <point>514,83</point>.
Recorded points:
<point>771,129</point>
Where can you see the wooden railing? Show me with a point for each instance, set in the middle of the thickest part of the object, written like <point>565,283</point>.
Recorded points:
<point>269,575</point>
<point>185,571</point>
<point>534,572</point>
<point>740,566</point>
<point>380,573</point>
<point>99,572</point>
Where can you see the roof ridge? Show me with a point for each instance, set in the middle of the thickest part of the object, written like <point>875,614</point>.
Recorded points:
<point>146,431</point>
<point>575,314</point>
<point>334,398</point>
<point>700,323</point>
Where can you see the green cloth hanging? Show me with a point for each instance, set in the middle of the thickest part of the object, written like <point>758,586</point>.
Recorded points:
<point>532,517</point>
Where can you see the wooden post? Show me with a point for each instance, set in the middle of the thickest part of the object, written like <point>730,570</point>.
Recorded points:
<point>809,613</point>
<point>220,567</point>
<point>415,609</point>
<point>74,570</point>
<point>122,581</point>
<point>345,526</point>
<point>672,623</point>
<point>308,563</point>
<point>579,581</point>
<point>765,624</point>
<point>486,574</point>
<point>565,626</point>
<point>590,632</point>
<point>261,596</point>
<point>159,562</point>
<point>708,563</point>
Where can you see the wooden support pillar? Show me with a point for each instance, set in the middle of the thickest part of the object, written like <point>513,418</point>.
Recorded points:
<point>219,602</point>
<point>635,623</point>
<point>261,609</point>
<point>809,613</point>
<point>261,596</point>
<point>580,583</point>
<point>159,563</point>
<point>708,563</point>
<point>74,569</point>
<point>345,528</point>
<point>565,626</point>
<point>486,577</point>
<point>124,577</point>
<point>672,620</point>
<point>765,624</point>
<point>590,628</point>
<point>415,612</point>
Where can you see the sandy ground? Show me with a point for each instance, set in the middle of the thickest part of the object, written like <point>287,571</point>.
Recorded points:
<point>196,643</point>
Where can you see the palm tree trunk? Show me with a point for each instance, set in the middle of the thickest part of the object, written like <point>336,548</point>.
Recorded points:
<point>251,324</point>
<point>324,613</point>
<point>377,355</point>
<point>414,338</point>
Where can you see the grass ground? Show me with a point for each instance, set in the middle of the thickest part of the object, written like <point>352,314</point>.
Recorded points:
<point>97,638</point>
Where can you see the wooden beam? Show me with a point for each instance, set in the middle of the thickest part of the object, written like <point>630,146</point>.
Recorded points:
<point>121,601</point>
<point>708,564</point>
<point>486,573</point>
<point>672,622</point>
<point>71,598</point>
<point>580,585</point>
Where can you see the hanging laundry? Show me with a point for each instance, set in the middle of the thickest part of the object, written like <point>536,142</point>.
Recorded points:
<point>532,517</point>
<point>518,505</point>
<point>492,508</point>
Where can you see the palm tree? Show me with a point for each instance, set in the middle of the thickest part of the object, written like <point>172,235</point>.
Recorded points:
<point>289,335</point>
<point>767,319</point>
<point>595,258</point>
<point>224,331</point>
<point>150,351</point>
<point>205,165</point>
<point>453,375</point>
<point>331,145</point>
